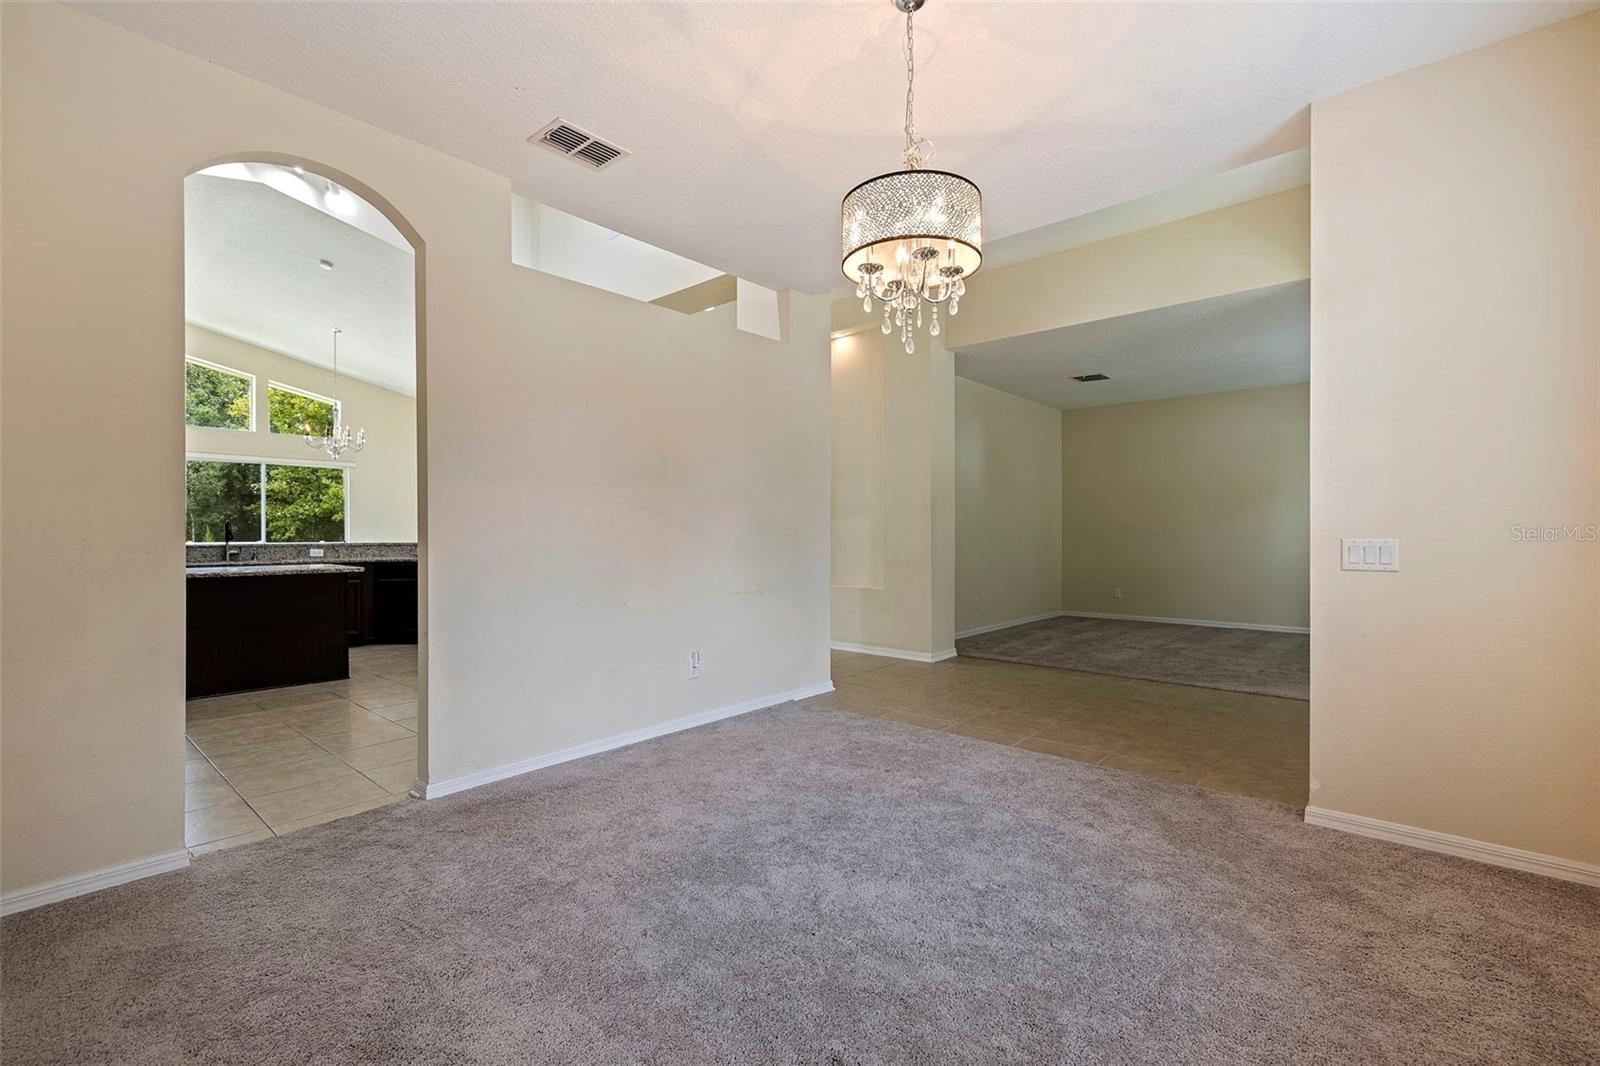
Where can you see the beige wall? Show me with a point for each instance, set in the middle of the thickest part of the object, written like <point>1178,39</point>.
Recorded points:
<point>912,609</point>
<point>1454,346</point>
<point>1008,507</point>
<point>381,487</point>
<point>860,488</point>
<point>1261,242</point>
<point>607,484</point>
<point>1196,508</point>
<point>1245,246</point>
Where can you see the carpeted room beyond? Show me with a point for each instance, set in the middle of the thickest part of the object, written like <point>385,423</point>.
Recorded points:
<point>1234,660</point>
<point>801,885</point>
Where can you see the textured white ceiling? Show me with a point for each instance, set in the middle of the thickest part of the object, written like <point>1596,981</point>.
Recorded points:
<point>748,121</point>
<point>1244,340</point>
<point>250,272</point>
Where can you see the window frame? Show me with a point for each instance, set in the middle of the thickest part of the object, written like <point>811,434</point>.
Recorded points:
<point>337,405</point>
<point>261,462</point>
<point>235,372</point>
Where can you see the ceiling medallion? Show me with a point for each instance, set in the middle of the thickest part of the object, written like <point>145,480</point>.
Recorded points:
<point>914,236</point>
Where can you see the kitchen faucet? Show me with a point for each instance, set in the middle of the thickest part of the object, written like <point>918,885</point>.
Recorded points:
<point>228,551</point>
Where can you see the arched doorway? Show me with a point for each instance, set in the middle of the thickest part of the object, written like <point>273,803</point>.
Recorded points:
<point>305,499</point>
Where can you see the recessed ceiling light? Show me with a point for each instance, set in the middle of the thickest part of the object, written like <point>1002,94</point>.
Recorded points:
<point>325,264</point>
<point>711,308</point>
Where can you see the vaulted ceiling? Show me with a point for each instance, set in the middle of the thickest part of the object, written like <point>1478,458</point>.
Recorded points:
<point>748,121</point>
<point>252,271</point>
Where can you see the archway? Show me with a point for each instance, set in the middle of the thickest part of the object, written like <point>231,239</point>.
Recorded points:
<point>307,610</point>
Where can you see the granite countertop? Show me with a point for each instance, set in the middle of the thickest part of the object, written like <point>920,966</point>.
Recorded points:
<point>306,553</point>
<point>267,569</point>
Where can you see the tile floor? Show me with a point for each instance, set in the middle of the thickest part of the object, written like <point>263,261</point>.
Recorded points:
<point>268,762</point>
<point>1230,741</point>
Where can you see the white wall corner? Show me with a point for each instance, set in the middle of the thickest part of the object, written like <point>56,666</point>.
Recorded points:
<point>762,311</point>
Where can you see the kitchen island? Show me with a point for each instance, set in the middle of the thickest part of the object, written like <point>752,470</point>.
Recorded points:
<point>261,625</point>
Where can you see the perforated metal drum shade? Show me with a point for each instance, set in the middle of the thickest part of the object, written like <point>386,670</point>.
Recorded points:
<point>884,219</point>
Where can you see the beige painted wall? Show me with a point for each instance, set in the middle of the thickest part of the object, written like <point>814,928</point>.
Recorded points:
<point>607,484</point>
<point>1196,508</point>
<point>860,488</point>
<point>1260,242</point>
<point>381,489</point>
<point>1008,507</point>
<point>1454,348</point>
<point>1245,246</point>
<point>913,608</point>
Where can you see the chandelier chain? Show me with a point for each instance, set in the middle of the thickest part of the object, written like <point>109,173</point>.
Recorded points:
<point>336,438</point>
<point>918,149</point>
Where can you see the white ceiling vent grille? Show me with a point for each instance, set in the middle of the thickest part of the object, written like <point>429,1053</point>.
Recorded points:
<point>574,142</point>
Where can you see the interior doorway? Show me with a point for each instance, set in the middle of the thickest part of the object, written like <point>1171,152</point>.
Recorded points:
<point>303,571</point>
<point>1132,531</point>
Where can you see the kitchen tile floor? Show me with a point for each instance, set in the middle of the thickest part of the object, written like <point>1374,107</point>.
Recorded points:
<point>1230,741</point>
<point>265,763</point>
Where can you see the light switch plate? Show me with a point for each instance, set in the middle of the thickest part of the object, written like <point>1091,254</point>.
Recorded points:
<point>1369,553</point>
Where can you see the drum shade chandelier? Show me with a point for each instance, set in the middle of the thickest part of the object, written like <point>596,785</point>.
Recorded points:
<point>912,238</point>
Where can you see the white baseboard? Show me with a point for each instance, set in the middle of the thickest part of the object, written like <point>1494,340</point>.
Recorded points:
<point>1007,625</point>
<point>23,899</point>
<point>895,653</point>
<point>1495,854</point>
<point>1210,623</point>
<point>435,789</point>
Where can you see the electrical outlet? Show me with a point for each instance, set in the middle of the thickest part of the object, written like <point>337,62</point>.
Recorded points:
<point>1116,593</point>
<point>694,664</point>
<point>316,553</point>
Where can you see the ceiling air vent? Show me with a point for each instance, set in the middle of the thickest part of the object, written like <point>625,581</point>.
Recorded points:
<point>574,142</point>
<point>1091,377</point>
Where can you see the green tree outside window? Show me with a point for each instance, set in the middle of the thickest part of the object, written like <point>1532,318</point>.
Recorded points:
<point>305,503</point>
<point>292,412</point>
<point>215,398</point>
<point>220,493</point>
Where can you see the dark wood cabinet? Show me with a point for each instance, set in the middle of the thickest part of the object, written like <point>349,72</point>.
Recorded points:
<point>261,631</point>
<point>357,608</point>
<point>381,603</point>
<point>394,602</point>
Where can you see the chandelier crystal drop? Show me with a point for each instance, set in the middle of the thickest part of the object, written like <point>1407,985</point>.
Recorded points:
<point>914,236</point>
<point>335,439</point>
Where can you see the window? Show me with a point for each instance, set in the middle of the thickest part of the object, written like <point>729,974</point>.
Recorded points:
<point>217,397</point>
<point>223,496</point>
<point>291,410</point>
<point>304,502</point>
<point>264,501</point>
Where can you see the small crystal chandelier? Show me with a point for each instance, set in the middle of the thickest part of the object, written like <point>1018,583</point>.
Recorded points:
<point>337,438</point>
<point>914,236</point>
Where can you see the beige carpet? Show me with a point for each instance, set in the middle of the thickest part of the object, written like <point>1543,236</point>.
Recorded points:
<point>810,886</point>
<point>1237,660</point>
